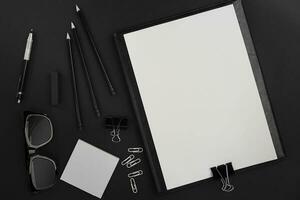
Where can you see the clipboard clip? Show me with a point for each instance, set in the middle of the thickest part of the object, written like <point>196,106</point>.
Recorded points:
<point>223,172</point>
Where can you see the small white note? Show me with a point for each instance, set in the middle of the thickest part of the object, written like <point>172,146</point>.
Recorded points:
<point>89,168</point>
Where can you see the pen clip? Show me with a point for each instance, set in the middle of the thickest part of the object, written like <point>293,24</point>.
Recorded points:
<point>19,84</point>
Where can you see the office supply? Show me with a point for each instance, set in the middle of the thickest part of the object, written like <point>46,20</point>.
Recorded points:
<point>74,83</point>
<point>54,88</point>
<point>115,133</point>
<point>135,174</point>
<point>38,133</point>
<point>95,48</point>
<point>115,124</point>
<point>127,160</point>
<point>86,71</point>
<point>135,150</point>
<point>222,172</point>
<point>212,107</point>
<point>133,185</point>
<point>22,78</point>
<point>133,163</point>
<point>89,168</point>
<point>227,187</point>
<point>112,122</point>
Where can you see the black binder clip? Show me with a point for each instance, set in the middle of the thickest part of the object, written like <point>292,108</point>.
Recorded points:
<point>115,125</point>
<point>223,172</point>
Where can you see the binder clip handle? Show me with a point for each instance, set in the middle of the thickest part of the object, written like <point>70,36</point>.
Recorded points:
<point>115,125</point>
<point>223,172</point>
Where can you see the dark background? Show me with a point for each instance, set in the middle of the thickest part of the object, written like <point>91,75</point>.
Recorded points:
<point>274,25</point>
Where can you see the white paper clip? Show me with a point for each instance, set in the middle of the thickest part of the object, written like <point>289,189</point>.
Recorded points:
<point>136,150</point>
<point>135,174</point>
<point>127,160</point>
<point>133,186</point>
<point>133,163</point>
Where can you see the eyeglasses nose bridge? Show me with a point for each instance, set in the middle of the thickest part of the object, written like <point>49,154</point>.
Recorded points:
<point>31,151</point>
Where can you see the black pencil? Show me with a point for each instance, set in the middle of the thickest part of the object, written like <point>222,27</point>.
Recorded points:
<point>85,69</point>
<point>96,51</point>
<point>75,93</point>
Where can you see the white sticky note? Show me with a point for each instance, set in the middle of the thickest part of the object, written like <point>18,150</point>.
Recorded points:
<point>89,168</point>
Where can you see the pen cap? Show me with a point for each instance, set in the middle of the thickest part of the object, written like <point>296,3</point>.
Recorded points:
<point>28,46</point>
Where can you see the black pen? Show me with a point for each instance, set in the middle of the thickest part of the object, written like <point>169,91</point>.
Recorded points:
<point>85,69</point>
<point>96,51</point>
<point>22,78</point>
<point>74,84</point>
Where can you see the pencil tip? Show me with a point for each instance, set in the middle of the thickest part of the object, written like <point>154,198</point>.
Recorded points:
<point>68,36</point>
<point>72,25</point>
<point>77,8</point>
<point>31,30</point>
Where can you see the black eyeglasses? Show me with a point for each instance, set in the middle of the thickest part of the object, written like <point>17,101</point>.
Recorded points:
<point>38,133</point>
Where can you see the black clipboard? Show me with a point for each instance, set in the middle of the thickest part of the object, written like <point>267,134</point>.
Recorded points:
<point>136,97</point>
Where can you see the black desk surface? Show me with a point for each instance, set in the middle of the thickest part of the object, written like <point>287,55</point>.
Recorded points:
<point>275,27</point>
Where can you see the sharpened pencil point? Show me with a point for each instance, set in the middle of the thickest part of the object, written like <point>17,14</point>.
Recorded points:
<point>68,36</point>
<point>72,25</point>
<point>77,8</point>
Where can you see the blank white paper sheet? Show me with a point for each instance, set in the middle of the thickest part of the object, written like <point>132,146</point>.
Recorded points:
<point>200,96</point>
<point>89,168</point>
